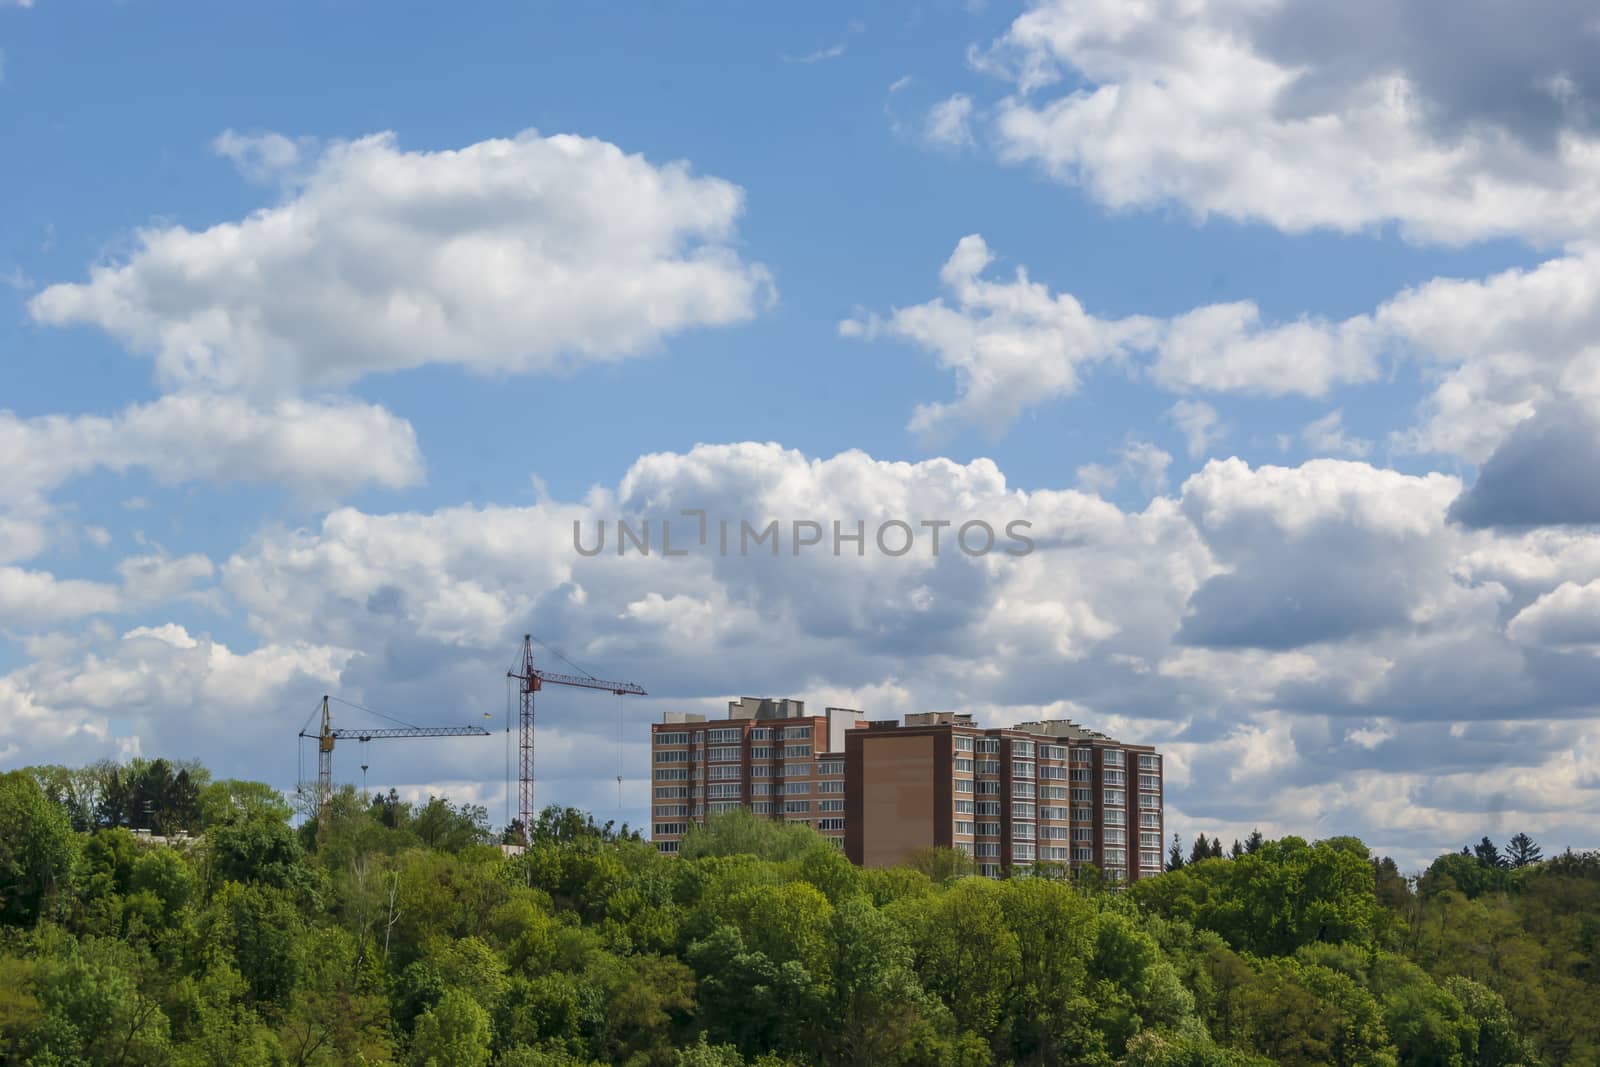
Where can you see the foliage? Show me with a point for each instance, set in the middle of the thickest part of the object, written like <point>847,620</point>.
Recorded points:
<point>405,938</point>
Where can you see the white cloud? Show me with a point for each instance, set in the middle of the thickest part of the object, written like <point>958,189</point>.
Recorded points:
<point>1140,461</point>
<point>1199,424</point>
<point>528,254</point>
<point>30,598</point>
<point>1233,108</point>
<point>1015,344</point>
<point>949,122</point>
<point>321,448</point>
<point>1326,437</point>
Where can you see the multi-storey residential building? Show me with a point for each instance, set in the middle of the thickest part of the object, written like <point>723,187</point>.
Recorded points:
<point>1049,792</point>
<point>767,755</point>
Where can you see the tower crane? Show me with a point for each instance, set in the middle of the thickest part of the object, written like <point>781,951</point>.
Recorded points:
<point>530,680</point>
<point>328,735</point>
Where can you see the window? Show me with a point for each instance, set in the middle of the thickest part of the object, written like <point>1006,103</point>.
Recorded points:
<point>963,744</point>
<point>964,766</point>
<point>989,829</point>
<point>1022,750</point>
<point>1116,837</point>
<point>1022,831</point>
<point>988,766</point>
<point>1053,833</point>
<point>830,805</point>
<point>835,786</point>
<point>1022,789</point>
<point>672,739</point>
<point>1083,815</point>
<point>1152,782</point>
<point>1053,773</point>
<point>723,736</point>
<point>797,807</point>
<point>725,789</point>
<point>1082,796</point>
<point>723,773</point>
<point>1054,853</point>
<point>761,789</point>
<point>1052,752</point>
<point>964,807</point>
<point>762,807</point>
<point>1149,801</point>
<point>799,822</point>
<point>1021,769</point>
<point>666,846</point>
<point>1022,852</point>
<point>1082,774</point>
<point>963,827</point>
<point>672,756</point>
<point>989,788</point>
<point>963,785</point>
<point>761,733</point>
<point>1081,855</point>
<point>797,733</point>
<point>665,828</point>
<point>989,848</point>
<point>1083,833</point>
<point>1021,810</point>
<point>796,787</point>
<point>989,870</point>
<point>1082,755</point>
<point>1150,861</point>
<point>1053,792</point>
<point>1053,813</point>
<point>1150,818</point>
<point>1149,840</point>
<point>722,755</point>
<point>1116,778</point>
<point>989,744</point>
<point>668,811</point>
<point>722,806</point>
<point>1114,757</point>
<point>988,807</point>
<point>761,770</point>
<point>761,752</point>
<point>1114,796</point>
<point>1116,818</point>
<point>832,766</point>
<point>1116,857</point>
<point>796,770</point>
<point>1149,763</point>
<point>830,824</point>
<point>672,792</point>
<point>672,774</point>
<point>796,751</point>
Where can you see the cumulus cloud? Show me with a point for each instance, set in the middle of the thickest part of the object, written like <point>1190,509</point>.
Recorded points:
<point>525,254</point>
<point>1543,474</point>
<point>1326,436</point>
<point>1199,423</point>
<point>1014,344</point>
<point>1302,117</point>
<point>322,448</point>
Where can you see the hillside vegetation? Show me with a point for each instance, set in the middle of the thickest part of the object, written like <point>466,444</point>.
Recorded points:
<point>408,938</point>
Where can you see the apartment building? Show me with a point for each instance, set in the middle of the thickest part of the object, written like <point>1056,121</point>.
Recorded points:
<point>767,755</point>
<point>1049,792</point>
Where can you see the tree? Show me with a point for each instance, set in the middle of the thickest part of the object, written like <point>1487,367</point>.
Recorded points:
<point>37,847</point>
<point>1201,849</point>
<point>1488,854</point>
<point>453,1033</point>
<point>1521,851</point>
<point>1253,843</point>
<point>1175,859</point>
<point>1237,850</point>
<point>1216,848</point>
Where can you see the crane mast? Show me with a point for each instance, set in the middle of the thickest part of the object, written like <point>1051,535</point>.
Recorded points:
<point>327,735</point>
<point>530,680</point>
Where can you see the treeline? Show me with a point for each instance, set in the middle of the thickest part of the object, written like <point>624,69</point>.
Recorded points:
<point>408,938</point>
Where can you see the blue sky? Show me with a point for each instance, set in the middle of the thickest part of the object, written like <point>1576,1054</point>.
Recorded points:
<point>1259,359</point>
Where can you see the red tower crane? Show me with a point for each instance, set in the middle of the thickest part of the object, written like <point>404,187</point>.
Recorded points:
<point>531,679</point>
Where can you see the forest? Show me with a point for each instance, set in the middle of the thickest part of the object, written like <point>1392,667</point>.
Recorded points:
<point>407,936</point>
